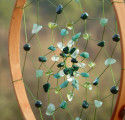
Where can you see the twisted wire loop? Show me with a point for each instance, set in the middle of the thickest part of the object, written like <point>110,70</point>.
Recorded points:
<point>120,15</point>
<point>14,59</point>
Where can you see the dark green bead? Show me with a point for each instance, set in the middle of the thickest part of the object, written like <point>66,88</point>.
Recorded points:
<point>46,87</point>
<point>73,60</point>
<point>59,9</point>
<point>72,50</point>
<point>38,104</point>
<point>63,55</point>
<point>71,70</point>
<point>85,104</point>
<point>114,90</point>
<point>61,65</point>
<point>27,47</point>
<point>42,59</point>
<point>66,71</point>
<point>84,16</point>
<point>116,37</point>
<point>101,44</point>
<point>75,67</point>
<point>66,50</point>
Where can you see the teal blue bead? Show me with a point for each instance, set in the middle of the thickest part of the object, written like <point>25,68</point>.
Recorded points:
<point>64,32</point>
<point>63,105</point>
<point>64,84</point>
<point>39,73</point>
<point>52,48</point>
<point>84,54</point>
<point>57,76</point>
<point>76,37</point>
<point>86,75</point>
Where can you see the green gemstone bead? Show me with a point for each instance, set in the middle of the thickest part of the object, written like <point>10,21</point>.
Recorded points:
<point>63,105</point>
<point>101,44</point>
<point>75,67</point>
<point>66,50</point>
<point>85,55</point>
<point>61,65</point>
<point>72,50</point>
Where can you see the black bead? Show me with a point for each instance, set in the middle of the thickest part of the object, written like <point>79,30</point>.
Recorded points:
<point>61,65</point>
<point>84,16</point>
<point>114,90</point>
<point>116,37</point>
<point>96,82</point>
<point>66,50</point>
<point>66,71</point>
<point>46,87</point>
<point>42,59</point>
<point>59,9</point>
<point>73,60</point>
<point>85,104</point>
<point>75,67</point>
<point>38,104</point>
<point>27,47</point>
<point>72,50</point>
<point>101,44</point>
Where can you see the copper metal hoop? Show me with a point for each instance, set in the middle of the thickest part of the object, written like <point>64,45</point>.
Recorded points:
<point>14,59</point>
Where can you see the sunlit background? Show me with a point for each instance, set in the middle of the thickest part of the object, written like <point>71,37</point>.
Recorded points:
<point>9,109</point>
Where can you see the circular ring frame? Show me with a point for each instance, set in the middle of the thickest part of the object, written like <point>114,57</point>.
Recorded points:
<point>14,59</point>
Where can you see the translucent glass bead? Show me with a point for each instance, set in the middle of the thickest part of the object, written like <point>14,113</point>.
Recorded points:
<point>36,28</point>
<point>60,45</point>
<point>98,103</point>
<point>110,61</point>
<point>103,22</point>
<point>70,96</point>
<point>70,43</point>
<point>75,54</point>
<point>52,25</point>
<point>61,73</point>
<point>81,65</point>
<point>86,36</point>
<point>70,26</point>
<point>91,64</point>
<point>55,58</point>
<point>50,109</point>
